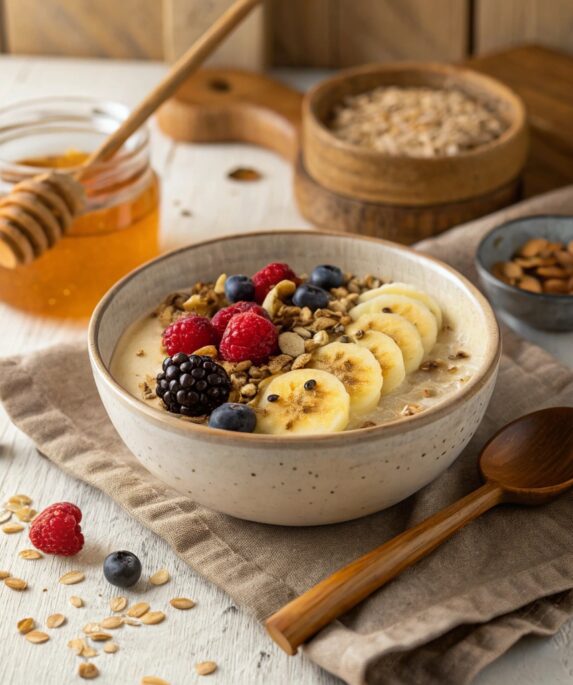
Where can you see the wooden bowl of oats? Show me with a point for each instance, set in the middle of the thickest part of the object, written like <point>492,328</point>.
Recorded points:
<point>413,136</point>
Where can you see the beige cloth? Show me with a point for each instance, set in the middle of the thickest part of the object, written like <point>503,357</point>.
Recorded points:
<point>507,574</point>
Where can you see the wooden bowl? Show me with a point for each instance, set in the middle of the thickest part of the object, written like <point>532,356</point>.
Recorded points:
<point>297,480</point>
<point>372,176</point>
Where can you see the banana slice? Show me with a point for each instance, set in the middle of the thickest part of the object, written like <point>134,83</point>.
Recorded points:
<point>411,309</point>
<point>399,329</point>
<point>358,370</point>
<point>388,355</point>
<point>408,290</point>
<point>296,408</point>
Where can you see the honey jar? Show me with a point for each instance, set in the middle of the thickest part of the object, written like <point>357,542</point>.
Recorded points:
<point>119,228</point>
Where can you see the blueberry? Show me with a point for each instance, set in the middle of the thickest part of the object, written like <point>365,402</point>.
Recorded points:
<point>307,295</point>
<point>233,417</point>
<point>122,569</point>
<point>239,288</point>
<point>327,276</point>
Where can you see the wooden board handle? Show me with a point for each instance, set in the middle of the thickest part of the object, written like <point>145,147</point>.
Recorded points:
<point>306,615</point>
<point>178,73</point>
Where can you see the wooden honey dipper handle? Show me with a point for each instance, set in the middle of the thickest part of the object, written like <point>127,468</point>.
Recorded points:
<point>179,72</point>
<point>37,212</point>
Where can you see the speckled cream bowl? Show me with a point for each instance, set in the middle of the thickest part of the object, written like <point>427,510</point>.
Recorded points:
<point>297,480</point>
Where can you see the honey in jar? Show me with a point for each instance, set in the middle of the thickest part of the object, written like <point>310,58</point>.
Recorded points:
<point>119,228</point>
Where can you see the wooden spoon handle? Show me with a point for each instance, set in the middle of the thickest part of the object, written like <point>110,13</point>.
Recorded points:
<point>306,615</point>
<point>189,61</point>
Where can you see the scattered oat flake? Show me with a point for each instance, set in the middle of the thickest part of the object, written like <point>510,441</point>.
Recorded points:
<point>5,516</point>
<point>131,622</point>
<point>26,514</point>
<point>112,622</point>
<point>72,577</point>
<point>117,603</point>
<point>91,628</point>
<point>26,625</point>
<point>100,636</point>
<point>244,174</point>
<point>21,500</point>
<point>137,610</point>
<point>88,670</point>
<point>10,528</point>
<point>30,554</point>
<point>153,680</point>
<point>205,667</point>
<point>153,617</point>
<point>160,577</point>
<point>76,601</point>
<point>37,637</point>
<point>16,583</point>
<point>55,620</point>
<point>4,575</point>
<point>182,603</point>
<point>88,652</point>
<point>110,647</point>
<point>77,644</point>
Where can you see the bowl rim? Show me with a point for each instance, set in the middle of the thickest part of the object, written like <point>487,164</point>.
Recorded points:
<point>487,368</point>
<point>517,125</point>
<point>485,272</point>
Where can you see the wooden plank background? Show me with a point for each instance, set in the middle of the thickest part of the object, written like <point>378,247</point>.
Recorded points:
<point>319,33</point>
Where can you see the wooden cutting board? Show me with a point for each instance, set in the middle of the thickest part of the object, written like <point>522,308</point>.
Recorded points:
<point>225,105</point>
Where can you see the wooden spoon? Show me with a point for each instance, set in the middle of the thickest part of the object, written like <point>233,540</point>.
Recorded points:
<point>37,212</point>
<point>529,461</point>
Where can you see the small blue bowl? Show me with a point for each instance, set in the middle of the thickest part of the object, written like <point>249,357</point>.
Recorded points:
<point>538,310</point>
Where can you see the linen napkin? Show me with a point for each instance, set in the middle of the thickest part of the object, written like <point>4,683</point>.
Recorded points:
<point>506,575</point>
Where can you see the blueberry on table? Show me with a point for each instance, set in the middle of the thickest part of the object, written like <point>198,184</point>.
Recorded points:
<point>307,295</point>
<point>239,288</point>
<point>233,416</point>
<point>327,276</point>
<point>122,569</point>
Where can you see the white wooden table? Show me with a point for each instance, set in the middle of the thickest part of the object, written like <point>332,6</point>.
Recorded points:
<point>194,179</point>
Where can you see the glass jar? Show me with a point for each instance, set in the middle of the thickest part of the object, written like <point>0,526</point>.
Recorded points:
<point>119,228</point>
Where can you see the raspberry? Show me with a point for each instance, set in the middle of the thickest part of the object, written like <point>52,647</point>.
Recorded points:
<point>248,336</point>
<point>188,334</point>
<point>56,530</point>
<point>268,277</point>
<point>223,316</point>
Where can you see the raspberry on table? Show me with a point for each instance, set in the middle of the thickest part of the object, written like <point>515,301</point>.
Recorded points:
<point>189,334</point>
<point>57,530</point>
<point>248,336</point>
<point>267,278</point>
<point>223,316</point>
<point>192,385</point>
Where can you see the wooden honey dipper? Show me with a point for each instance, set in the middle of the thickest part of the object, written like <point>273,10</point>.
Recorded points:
<point>39,211</point>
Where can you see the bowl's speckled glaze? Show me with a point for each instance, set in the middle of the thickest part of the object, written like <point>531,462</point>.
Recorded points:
<point>539,310</point>
<point>297,480</point>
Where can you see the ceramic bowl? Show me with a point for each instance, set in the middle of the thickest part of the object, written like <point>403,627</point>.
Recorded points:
<point>539,310</point>
<point>297,480</point>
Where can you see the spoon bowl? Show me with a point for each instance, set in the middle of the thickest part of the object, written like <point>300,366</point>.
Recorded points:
<point>531,459</point>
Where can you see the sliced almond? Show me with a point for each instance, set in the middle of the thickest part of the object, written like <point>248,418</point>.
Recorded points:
<point>37,637</point>
<point>4,575</point>
<point>11,528</point>
<point>26,514</point>
<point>112,622</point>
<point>137,610</point>
<point>30,554</point>
<point>72,577</point>
<point>100,636</point>
<point>55,620</point>
<point>76,601</point>
<point>117,603</point>
<point>16,583</point>
<point>153,680</point>
<point>182,603</point>
<point>153,617</point>
<point>160,577</point>
<point>26,625</point>
<point>88,670</point>
<point>206,667</point>
<point>110,647</point>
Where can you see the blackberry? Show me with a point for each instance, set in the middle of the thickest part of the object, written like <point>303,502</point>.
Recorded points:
<point>192,385</point>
